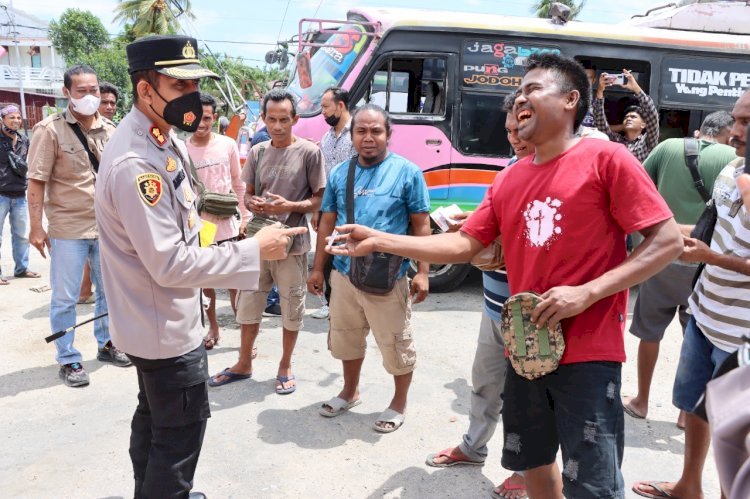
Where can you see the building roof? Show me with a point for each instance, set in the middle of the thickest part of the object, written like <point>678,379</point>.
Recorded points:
<point>28,29</point>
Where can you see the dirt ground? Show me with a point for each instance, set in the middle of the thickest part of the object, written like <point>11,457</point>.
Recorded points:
<point>64,442</point>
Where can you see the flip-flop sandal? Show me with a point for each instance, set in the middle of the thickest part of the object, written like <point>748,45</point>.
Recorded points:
<point>630,412</point>
<point>285,379</point>
<point>4,282</point>
<point>453,461</point>
<point>389,416</point>
<point>28,275</point>
<point>656,485</point>
<point>510,487</point>
<point>230,378</point>
<point>339,406</point>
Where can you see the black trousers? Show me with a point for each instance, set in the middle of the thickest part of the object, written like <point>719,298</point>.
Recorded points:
<point>169,423</point>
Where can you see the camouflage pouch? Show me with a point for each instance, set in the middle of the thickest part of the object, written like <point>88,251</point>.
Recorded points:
<point>533,352</point>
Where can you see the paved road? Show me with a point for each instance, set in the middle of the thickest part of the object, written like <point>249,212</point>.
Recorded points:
<point>63,442</point>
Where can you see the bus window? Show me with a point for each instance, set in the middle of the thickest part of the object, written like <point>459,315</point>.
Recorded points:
<point>482,129</point>
<point>416,86</point>
<point>673,124</point>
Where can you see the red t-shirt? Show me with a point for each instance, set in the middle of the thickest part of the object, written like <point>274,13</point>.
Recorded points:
<point>564,223</point>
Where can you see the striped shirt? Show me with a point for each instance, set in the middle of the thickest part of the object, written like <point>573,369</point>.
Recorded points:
<point>496,291</point>
<point>720,301</point>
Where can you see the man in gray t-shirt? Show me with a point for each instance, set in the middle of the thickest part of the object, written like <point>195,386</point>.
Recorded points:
<point>285,180</point>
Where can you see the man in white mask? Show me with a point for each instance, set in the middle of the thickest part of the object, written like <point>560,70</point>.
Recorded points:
<point>63,160</point>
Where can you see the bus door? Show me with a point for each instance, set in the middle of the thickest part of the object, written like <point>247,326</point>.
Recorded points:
<point>416,89</point>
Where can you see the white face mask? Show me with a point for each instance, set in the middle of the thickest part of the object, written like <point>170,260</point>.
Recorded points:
<point>86,105</point>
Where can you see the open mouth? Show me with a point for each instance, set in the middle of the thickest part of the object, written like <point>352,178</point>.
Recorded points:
<point>523,116</point>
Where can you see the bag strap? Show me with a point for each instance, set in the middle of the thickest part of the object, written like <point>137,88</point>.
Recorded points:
<point>350,191</point>
<point>79,133</point>
<point>691,159</point>
<point>258,162</point>
<point>193,173</point>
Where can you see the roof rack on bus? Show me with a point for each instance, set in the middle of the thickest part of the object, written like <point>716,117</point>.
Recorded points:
<point>373,29</point>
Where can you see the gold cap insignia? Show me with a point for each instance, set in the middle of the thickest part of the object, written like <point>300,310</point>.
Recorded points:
<point>188,52</point>
<point>171,164</point>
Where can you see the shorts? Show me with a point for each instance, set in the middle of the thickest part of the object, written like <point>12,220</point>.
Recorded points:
<point>354,313</point>
<point>699,361</point>
<point>577,408</point>
<point>290,276</point>
<point>659,297</point>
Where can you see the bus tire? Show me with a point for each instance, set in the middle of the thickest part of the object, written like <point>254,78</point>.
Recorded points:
<point>444,278</point>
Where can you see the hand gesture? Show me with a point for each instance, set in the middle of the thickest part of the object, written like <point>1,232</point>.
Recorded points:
<point>352,240</point>
<point>460,220</point>
<point>273,240</point>
<point>276,205</point>
<point>315,282</point>
<point>560,303</point>
<point>631,83</point>
<point>695,250</point>
<point>39,239</point>
<point>315,220</point>
<point>420,286</point>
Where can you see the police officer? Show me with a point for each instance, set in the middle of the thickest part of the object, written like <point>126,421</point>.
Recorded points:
<point>152,263</point>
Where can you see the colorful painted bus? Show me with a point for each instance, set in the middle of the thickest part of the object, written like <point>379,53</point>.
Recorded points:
<point>443,77</point>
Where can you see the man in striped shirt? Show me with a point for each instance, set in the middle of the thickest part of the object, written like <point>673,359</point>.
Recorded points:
<point>720,308</point>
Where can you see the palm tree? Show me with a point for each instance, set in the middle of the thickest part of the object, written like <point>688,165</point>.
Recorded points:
<point>152,16</point>
<point>542,7</point>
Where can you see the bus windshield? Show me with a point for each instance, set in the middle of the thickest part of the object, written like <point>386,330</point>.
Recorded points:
<point>329,65</point>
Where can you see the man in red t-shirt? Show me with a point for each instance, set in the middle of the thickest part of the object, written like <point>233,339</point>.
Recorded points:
<point>562,214</point>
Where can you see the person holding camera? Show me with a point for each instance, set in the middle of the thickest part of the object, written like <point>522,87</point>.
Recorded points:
<point>640,125</point>
<point>13,150</point>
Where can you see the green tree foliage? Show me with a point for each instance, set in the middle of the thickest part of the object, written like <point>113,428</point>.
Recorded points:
<point>77,33</point>
<point>241,74</point>
<point>542,7</point>
<point>148,17</point>
<point>111,64</point>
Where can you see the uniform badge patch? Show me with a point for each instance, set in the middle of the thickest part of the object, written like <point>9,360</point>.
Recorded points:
<point>188,193</point>
<point>157,135</point>
<point>188,118</point>
<point>149,187</point>
<point>171,164</point>
<point>191,220</point>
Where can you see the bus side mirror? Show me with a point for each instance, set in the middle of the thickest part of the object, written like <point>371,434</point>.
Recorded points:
<point>303,70</point>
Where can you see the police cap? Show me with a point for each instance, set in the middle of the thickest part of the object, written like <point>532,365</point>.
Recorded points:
<point>175,56</point>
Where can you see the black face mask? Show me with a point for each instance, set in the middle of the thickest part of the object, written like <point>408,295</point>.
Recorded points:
<point>183,112</point>
<point>332,120</point>
<point>9,131</point>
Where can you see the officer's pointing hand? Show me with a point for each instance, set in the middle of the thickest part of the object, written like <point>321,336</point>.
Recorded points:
<point>273,240</point>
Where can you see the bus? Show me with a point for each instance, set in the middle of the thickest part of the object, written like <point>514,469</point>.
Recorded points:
<point>443,77</point>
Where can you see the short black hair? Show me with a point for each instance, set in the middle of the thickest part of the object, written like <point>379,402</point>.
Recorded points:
<point>339,95</point>
<point>633,109</point>
<point>372,107</point>
<point>106,87</point>
<point>279,95</point>
<point>587,64</point>
<point>715,123</point>
<point>150,76</point>
<point>570,76</point>
<point>75,70</point>
<point>208,100</point>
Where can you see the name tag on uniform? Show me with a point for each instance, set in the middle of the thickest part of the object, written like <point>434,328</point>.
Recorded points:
<point>178,179</point>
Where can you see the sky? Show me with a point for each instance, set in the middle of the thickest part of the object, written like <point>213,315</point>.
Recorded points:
<point>254,26</point>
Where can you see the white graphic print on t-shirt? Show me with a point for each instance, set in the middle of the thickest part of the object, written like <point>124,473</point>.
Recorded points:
<point>542,219</point>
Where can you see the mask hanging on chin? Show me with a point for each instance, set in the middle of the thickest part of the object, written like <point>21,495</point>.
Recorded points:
<point>184,112</point>
<point>332,120</point>
<point>9,130</point>
<point>87,105</point>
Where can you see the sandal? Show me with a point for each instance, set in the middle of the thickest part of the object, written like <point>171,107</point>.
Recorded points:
<point>4,282</point>
<point>28,275</point>
<point>519,490</point>
<point>389,416</point>
<point>86,300</point>
<point>453,459</point>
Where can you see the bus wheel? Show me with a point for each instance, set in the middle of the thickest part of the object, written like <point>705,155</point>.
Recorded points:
<point>444,278</point>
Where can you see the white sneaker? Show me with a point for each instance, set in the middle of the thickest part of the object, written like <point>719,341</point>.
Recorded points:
<point>321,313</point>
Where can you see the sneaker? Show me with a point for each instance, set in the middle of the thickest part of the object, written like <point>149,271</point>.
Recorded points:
<point>272,311</point>
<point>321,313</point>
<point>110,353</point>
<point>74,374</point>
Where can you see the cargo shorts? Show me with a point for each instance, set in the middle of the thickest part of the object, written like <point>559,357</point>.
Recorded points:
<point>290,276</point>
<point>354,313</point>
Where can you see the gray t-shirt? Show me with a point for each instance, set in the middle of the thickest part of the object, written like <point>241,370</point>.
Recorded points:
<point>294,172</point>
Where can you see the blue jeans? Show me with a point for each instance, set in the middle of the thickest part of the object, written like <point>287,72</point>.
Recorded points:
<point>273,297</point>
<point>19,221</point>
<point>67,259</point>
<point>699,361</point>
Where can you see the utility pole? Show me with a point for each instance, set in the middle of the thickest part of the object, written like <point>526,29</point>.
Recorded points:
<point>14,34</point>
